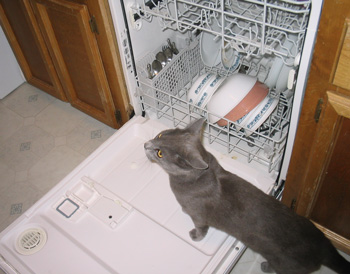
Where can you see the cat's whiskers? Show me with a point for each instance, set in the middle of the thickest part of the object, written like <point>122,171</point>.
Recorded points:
<point>142,164</point>
<point>141,159</point>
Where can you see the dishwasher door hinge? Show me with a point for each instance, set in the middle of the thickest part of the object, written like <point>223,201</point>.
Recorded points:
<point>93,25</point>
<point>118,116</point>
<point>318,110</point>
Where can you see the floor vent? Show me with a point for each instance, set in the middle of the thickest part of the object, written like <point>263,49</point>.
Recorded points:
<point>31,241</point>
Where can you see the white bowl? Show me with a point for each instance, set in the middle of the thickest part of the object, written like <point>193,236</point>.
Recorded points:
<point>256,94</point>
<point>198,87</point>
<point>258,115</point>
<point>242,121</point>
<point>229,94</point>
<point>203,89</point>
<point>213,84</point>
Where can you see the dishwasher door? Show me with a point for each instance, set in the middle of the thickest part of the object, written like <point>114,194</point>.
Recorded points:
<point>116,213</point>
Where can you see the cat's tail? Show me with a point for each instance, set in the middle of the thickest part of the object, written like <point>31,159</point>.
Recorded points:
<point>336,262</point>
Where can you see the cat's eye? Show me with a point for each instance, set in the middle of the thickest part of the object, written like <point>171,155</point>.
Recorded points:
<point>159,135</point>
<point>159,153</point>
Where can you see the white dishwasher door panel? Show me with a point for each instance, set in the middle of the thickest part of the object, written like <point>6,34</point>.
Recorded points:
<point>116,213</point>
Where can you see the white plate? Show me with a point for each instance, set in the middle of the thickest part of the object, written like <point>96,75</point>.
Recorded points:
<point>258,116</point>
<point>210,46</point>
<point>278,65</point>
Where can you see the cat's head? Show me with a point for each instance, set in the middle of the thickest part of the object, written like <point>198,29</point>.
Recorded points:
<point>178,151</point>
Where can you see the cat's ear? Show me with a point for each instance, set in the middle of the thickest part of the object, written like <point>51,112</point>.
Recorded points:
<point>196,126</point>
<point>193,160</point>
<point>196,161</point>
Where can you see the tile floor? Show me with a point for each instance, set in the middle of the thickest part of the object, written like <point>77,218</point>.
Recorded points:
<point>41,140</point>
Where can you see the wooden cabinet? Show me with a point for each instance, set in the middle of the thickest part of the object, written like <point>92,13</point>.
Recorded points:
<point>73,47</point>
<point>19,24</point>
<point>78,40</point>
<point>318,179</point>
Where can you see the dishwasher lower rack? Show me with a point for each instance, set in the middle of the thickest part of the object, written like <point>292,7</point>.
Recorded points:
<point>165,97</point>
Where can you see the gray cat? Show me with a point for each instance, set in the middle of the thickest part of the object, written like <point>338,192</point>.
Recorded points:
<point>215,197</point>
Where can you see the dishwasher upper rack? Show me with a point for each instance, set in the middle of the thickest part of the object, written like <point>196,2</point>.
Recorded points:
<point>251,27</point>
<point>166,97</point>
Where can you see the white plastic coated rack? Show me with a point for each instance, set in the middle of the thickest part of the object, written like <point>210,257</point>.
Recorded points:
<point>258,30</point>
<point>251,27</point>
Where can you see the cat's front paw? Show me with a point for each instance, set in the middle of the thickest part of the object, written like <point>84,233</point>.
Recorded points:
<point>197,234</point>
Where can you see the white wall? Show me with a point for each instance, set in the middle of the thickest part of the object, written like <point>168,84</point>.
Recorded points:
<point>10,73</point>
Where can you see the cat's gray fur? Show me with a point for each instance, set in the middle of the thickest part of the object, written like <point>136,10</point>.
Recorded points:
<point>215,197</point>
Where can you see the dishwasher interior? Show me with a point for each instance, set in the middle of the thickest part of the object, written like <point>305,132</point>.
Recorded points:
<point>263,39</point>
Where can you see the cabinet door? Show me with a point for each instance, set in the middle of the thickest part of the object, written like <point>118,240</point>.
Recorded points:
<point>23,34</point>
<point>318,179</point>
<point>325,195</point>
<point>73,47</point>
